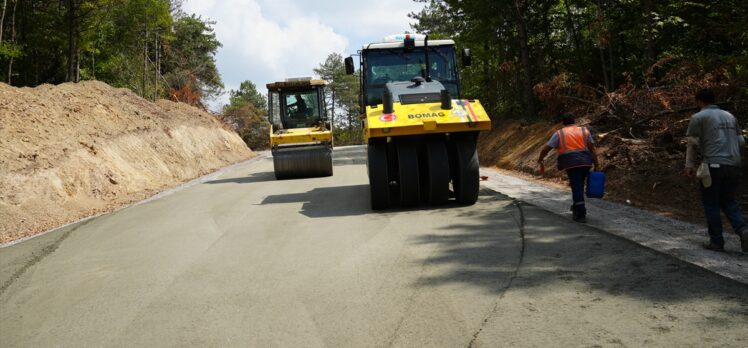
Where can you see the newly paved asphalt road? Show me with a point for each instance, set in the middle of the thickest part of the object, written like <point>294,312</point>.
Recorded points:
<point>245,260</point>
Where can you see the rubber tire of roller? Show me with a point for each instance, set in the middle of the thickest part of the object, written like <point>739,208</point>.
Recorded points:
<point>407,162</point>
<point>466,178</point>
<point>437,179</point>
<point>379,185</point>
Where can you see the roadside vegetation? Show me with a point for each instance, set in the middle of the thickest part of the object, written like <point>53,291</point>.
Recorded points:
<point>628,69</point>
<point>149,46</point>
<point>342,93</point>
<point>537,58</point>
<point>246,112</point>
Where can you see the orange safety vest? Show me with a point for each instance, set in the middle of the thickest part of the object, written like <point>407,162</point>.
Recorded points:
<point>572,139</point>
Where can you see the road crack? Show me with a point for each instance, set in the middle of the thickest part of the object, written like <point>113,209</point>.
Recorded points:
<point>515,273</point>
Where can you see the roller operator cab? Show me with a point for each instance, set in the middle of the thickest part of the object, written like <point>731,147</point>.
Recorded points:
<point>300,133</point>
<point>421,134</point>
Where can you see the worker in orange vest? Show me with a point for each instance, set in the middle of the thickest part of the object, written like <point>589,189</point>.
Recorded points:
<point>576,155</point>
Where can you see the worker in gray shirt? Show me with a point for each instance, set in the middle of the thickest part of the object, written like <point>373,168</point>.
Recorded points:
<point>714,136</point>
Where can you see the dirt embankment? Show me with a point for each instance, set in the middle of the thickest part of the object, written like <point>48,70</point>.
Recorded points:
<point>76,150</point>
<point>644,173</point>
<point>639,130</point>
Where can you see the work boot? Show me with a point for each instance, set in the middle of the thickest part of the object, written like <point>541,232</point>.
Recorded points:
<point>713,247</point>
<point>577,218</point>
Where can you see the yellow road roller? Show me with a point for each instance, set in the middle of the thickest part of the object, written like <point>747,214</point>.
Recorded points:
<point>300,134</point>
<point>421,133</point>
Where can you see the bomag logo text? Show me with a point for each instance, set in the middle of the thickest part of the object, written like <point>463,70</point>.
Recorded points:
<point>427,115</point>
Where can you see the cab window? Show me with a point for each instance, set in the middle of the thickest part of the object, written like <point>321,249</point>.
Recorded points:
<point>301,109</point>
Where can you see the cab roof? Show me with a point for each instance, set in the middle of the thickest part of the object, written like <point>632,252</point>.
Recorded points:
<point>400,44</point>
<point>294,83</point>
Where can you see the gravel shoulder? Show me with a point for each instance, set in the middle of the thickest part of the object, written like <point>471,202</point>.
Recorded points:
<point>672,237</point>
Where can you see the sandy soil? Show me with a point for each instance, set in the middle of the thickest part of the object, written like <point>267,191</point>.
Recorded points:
<point>76,150</point>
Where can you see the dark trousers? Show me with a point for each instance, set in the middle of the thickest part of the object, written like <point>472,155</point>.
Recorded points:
<point>721,197</point>
<point>577,179</point>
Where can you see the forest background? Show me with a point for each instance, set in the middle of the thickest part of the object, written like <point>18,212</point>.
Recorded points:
<point>627,66</point>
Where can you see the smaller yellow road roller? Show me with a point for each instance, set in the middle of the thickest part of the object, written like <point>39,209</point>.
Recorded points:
<point>300,133</point>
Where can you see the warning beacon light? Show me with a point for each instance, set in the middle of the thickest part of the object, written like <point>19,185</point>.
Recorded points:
<point>403,37</point>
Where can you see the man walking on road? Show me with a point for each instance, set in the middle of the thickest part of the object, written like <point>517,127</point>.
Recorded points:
<point>576,155</point>
<point>714,135</point>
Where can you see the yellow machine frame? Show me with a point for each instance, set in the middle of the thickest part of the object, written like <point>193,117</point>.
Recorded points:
<point>430,118</point>
<point>304,151</point>
<point>421,142</point>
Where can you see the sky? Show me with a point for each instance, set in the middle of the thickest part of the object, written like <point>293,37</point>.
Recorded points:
<point>269,40</point>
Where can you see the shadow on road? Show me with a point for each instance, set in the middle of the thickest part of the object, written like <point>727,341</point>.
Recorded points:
<point>328,201</point>
<point>344,201</point>
<point>559,252</point>
<point>251,178</point>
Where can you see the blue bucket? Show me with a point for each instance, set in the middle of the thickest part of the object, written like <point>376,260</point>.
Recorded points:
<point>596,185</point>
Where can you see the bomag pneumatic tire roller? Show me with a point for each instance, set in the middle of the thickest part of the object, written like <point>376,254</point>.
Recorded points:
<point>421,135</point>
<point>300,133</point>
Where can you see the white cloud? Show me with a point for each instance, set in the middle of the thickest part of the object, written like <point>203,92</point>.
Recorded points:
<point>262,50</point>
<point>364,19</point>
<point>268,40</point>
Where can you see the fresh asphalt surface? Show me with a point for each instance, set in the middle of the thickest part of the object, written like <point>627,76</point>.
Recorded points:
<point>245,260</point>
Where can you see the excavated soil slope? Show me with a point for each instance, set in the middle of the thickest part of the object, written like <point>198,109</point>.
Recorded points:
<point>640,174</point>
<point>76,150</point>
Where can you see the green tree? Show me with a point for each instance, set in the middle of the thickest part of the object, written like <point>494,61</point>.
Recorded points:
<point>342,95</point>
<point>246,94</point>
<point>149,46</point>
<point>598,44</point>
<point>247,113</point>
<point>189,61</point>
<point>121,48</point>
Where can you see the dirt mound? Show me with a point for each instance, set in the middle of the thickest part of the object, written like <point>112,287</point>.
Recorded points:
<point>75,150</point>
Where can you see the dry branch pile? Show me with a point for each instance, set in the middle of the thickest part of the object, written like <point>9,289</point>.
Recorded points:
<point>640,131</point>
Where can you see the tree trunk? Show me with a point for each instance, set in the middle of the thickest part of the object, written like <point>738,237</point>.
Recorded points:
<point>12,40</point>
<point>156,73</point>
<point>93,64</point>
<point>529,101</point>
<point>571,23</point>
<point>547,41</point>
<point>350,118</point>
<point>601,42</point>
<point>611,64</point>
<point>604,69</point>
<point>649,53</point>
<point>486,75</point>
<point>332,108</point>
<point>2,19</point>
<point>145,60</point>
<point>73,40</point>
